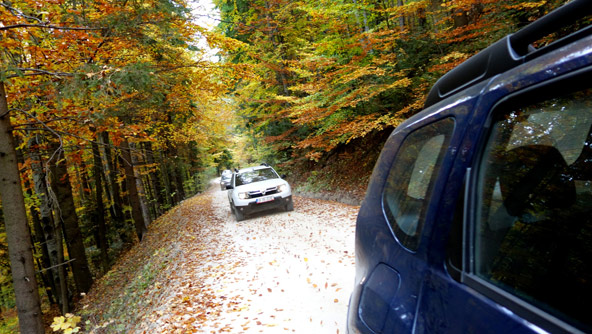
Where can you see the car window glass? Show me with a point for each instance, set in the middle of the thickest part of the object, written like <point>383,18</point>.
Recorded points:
<point>255,175</point>
<point>410,180</point>
<point>533,233</point>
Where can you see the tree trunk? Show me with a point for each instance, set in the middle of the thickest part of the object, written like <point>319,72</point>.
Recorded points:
<point>195,173</point>
<point>174,185</point>
<point>119,216</point>
<point>85,187</point>
<point>17,232</point>
<point>154,180</point>
<point>47,224</point>
<point>164,172</point>
<point>133,191</point>
<point>66,216</point>
<point>435,10</point>
<point>43,261</point>
<point>180,180</point>
<point>176,173</point>
<point>460,17</point>
<point>402,18</point>
<point>62,272</point>
<point>422,18</point>
<point>37,235</point>
<point>100,207</point>
<point>105,180</point>
<point>140,186</point>
<point>88,215</point>
<point>385,6</point>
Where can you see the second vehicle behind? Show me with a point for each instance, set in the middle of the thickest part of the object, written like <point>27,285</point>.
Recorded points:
<point>257,189</point>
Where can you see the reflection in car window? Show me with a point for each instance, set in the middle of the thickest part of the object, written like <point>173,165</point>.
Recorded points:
<point>410,180</point>
<point>255,175</point>
<point>534,222</point>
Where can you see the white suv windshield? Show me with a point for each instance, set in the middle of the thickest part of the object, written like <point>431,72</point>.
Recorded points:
<point>255,176</point>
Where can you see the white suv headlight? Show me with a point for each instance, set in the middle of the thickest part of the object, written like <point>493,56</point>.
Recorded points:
<point>283,187</point>
<point>243,195</point>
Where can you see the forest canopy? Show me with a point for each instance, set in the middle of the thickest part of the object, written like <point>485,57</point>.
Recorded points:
<point>330,72</point>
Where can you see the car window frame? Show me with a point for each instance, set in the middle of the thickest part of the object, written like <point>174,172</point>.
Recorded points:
<point>430,195</point>
<point>553,88</point>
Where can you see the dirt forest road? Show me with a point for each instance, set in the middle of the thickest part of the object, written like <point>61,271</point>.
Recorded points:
<point>279,272</point>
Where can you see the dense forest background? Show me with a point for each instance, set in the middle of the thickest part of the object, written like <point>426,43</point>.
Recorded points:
<point>330,79</point>
<point>111,113</point>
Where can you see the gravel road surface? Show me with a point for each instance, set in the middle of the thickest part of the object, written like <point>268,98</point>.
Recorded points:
<point>294,270</point>
<point>278,272</point>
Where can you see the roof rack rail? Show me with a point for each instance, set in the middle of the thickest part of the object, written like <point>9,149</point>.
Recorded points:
<point>510,51</point>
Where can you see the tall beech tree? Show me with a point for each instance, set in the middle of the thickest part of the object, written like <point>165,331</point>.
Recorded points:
<point>117,215</point>
<point>99,205</point>
<point>67,219</point>
<point>53,237</point>
<point>132,190</point>
<point>17,231</point>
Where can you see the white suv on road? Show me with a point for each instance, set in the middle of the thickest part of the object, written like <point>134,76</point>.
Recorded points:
<point>256,189</point>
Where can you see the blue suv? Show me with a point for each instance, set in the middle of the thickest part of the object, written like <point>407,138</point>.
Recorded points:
<point>478,215</point>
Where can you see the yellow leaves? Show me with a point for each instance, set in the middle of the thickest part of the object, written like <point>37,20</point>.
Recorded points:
<point>464,4</point>
<point>67,324</point>
<point>527,5</point>
<point>409,8</point>
<point>352,73</point>
<point>313,156</point>
<point>217,40</point>
<point>449,61</point>
<point>72,51</point>
<point>453,56</point>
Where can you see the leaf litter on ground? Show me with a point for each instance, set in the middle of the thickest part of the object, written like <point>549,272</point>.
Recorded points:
<point>200,271</point>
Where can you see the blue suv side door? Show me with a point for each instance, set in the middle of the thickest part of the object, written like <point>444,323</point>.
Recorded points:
<point>408,282</point>
<point>397,213</point>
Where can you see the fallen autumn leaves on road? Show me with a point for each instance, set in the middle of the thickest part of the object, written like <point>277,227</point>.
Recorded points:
<point>200,271</point>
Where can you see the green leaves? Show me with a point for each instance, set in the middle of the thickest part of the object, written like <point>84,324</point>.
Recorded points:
<point>133,77</point>
<point>340,69</point>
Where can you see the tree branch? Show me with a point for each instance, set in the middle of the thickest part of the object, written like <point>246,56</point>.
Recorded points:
<point>197,64</point>
<point>17,12</point>
<point>57,265</point>
<point>46,26</point>
<point>39,72</point>
<point>21,125</point>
